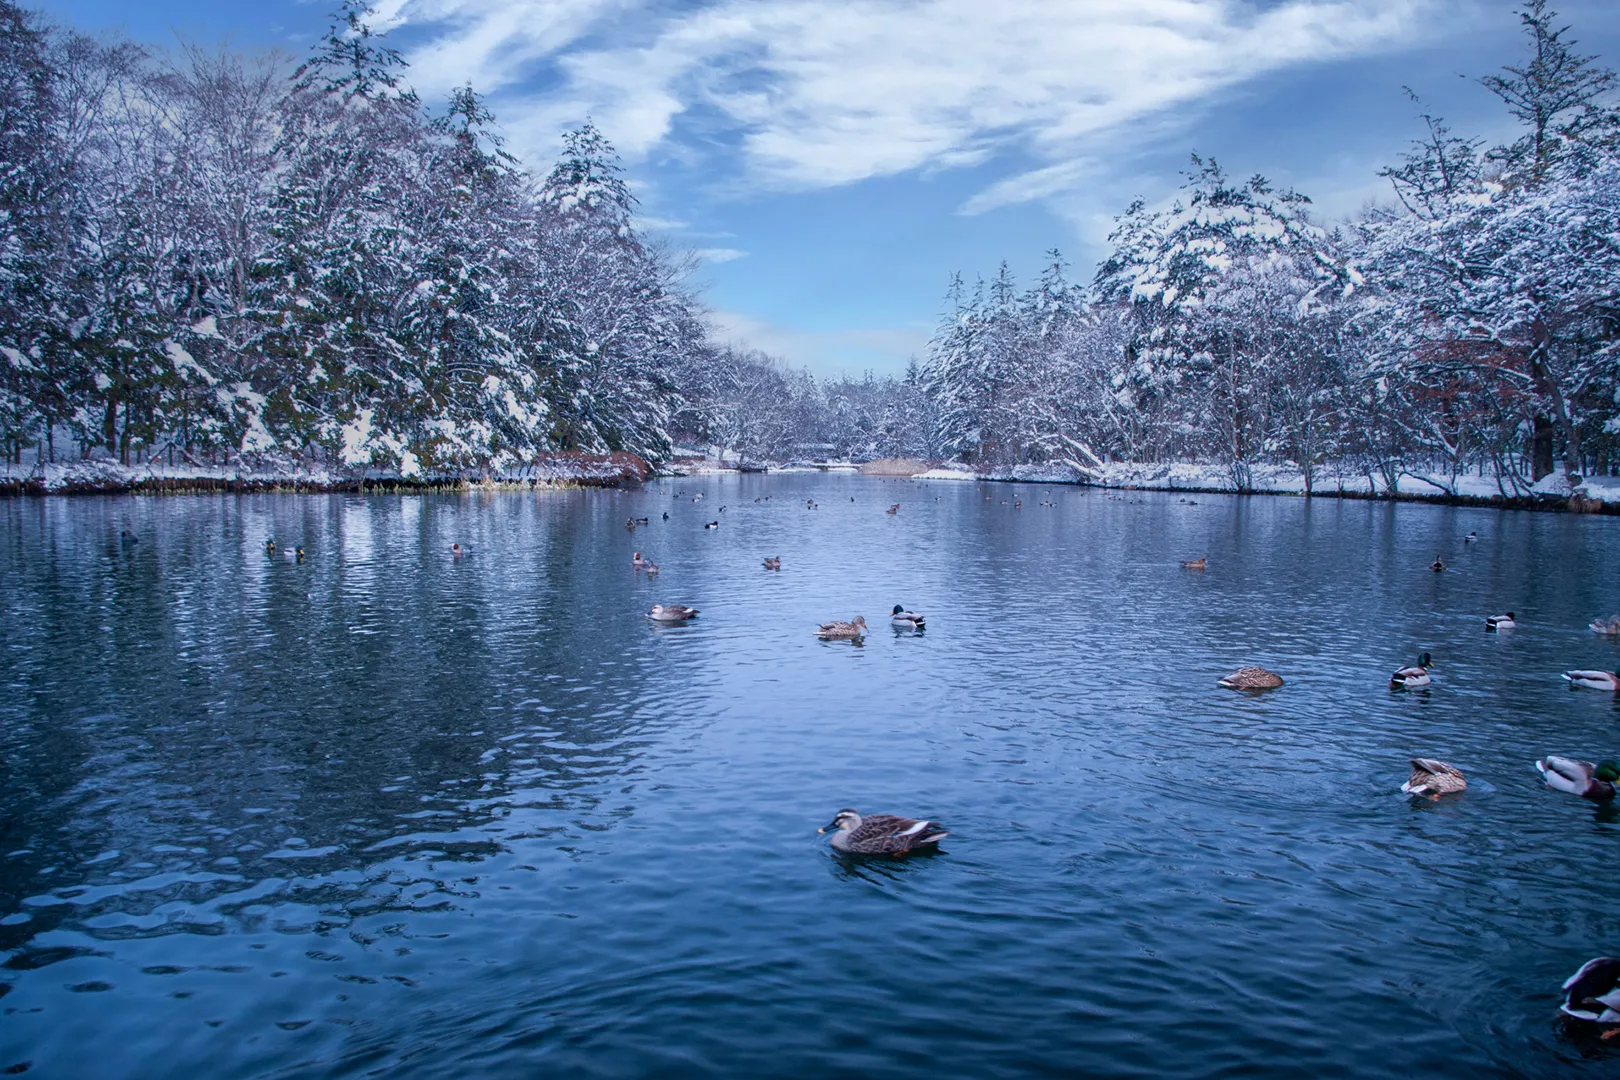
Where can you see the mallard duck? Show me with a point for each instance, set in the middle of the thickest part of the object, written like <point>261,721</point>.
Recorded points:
<point>630,524</point>
<point>1413,674</point>
<point>1471,538</point>
<point>1608,627</point>
<point>672,613</point>
<point>1434,778</point>
<point>1593,993</point>
<point>895,509</point>
<point>906,620</point>
<point>270,548</point>
<point>712,525</point>
<point>1594,680</point>
<point>882,834</point>
<point>774,563</point>
<point>1438,566</point>
<point>666,515</point>
<point>852,629</point>
<point>1595,782</point>
<point>637,561</point>
<point>651,568</point>
<point>1500,622</point>
<point>126,537</point>
<point>1252,678</point>
<point>457,551</point>
<point>641,521</point>
<point>1194,564</point>
<point>298,552</point>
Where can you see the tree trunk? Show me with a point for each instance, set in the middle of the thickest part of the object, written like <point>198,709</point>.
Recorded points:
<point>1541,449</point>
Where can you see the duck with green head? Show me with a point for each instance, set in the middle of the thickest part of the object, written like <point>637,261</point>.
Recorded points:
<point>1595,782</point>
<point>1412,675</point>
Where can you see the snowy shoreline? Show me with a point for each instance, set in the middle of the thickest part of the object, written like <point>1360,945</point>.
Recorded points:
<point>1597,494</point>
<point>99,476</point>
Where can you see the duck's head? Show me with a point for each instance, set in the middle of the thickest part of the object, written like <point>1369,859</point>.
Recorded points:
<point>1425,662</point>
<point>1608,771</point>
<point>860,622</point>
<point>1510,616</point>
<point>845,820</point>
<point>897,609</point>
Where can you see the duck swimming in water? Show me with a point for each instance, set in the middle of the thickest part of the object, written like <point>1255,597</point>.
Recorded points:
<point>906,620</point>
<point>882,834</point>
<point>1595,782</point>
<point>1412,675</point>
<point>672,613</point>
<point>1434,779</point>
<point>774,563</point>
<point>1606,627</point>
<point>1593,993</point>
<point>1252,678</point>
<point>1194,564</point>
<point>270,548</point>
<point>1500,622</point>
<point>1594,680</point>
<point>852,629</point>
<point>638,562</point>
<point>1438,566</point>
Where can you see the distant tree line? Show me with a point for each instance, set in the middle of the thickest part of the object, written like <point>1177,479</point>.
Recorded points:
<point>204,256</point>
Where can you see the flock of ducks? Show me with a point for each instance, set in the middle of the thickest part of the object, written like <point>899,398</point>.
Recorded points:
<point>1592,994</point>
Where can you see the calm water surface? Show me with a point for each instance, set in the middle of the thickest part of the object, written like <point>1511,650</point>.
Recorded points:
<point>388,813</point>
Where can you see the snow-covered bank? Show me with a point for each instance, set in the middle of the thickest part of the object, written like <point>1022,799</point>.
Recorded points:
<point>1595,494</point>
<point>105,476</point>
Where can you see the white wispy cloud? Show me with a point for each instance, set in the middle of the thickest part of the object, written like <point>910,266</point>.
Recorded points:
<point>719,254</point>
<point>815,95</point>
<point>854,351</point>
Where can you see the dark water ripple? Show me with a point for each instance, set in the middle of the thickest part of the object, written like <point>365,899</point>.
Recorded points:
<point>390,812</point>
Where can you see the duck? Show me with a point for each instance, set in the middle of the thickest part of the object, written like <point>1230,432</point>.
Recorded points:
<point>298,552</point>
<point>895,509</point>
<point>1438,566</point>
<point>457,551</point>
<point>1471,538</point>
<point>638,562</point>
<point>666,515</point>
<point>774,563</point>
<point>1252,678</point>
<point>270,548</point>
<point>1607,627</point>
<point>882,834</point>
<point>852,629</point>
<point>1594,680</point>
<point>672,613</point>
<point>1500,622</point>
<point>1434,778</point>
<point>651,568</point>
<point>630,524</point>
<point>641,521</point>
<point>1593,993</point>
<point>1194,564</point>
<point>1413,674</point>
<point>712,525</point>
<point>906,620</point>
<point>127,538</point>
<point>1595,782</point>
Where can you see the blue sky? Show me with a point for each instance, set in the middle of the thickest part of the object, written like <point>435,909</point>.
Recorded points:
<point>835,162</point>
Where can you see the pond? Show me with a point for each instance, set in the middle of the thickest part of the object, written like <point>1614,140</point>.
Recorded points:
<point>384,811</point>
